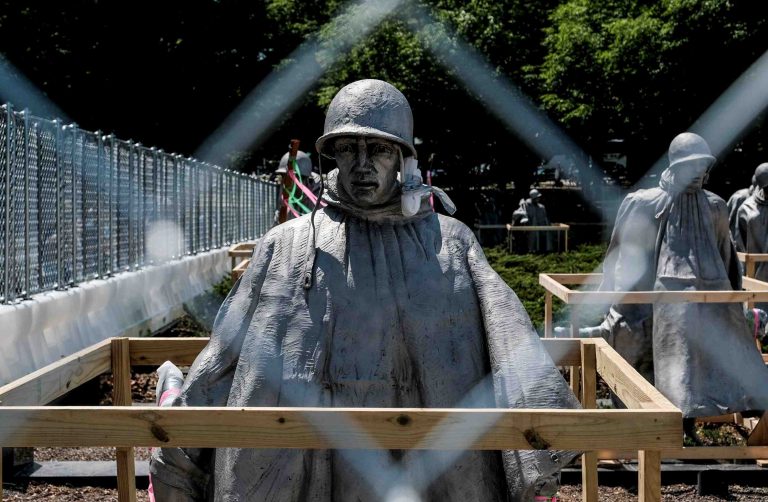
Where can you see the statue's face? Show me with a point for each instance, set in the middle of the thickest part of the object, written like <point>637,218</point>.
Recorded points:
<point>693,172</point>
<point>367,169</point>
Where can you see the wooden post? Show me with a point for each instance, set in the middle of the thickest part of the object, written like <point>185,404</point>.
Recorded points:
<point>749,265</point>
<point>649,463</point>
<point>547,314</point>
<point>589,401</point>
<point>575,379</point>
<point>566,239</point>
<point>121,396</point>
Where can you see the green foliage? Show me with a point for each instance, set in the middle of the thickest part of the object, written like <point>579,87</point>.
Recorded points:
<point>521,273</point>
<point>224,286</point>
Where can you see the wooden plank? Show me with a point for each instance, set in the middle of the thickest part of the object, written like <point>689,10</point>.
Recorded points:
<point>588,376</point>
<point>121,396</point>
<point>563,351</point>
<point>547,314</point>
<point>312,428</point>
<point>695,453</point>
<point>240,269</point>
<point>553,286</point>
<point>580,279</point>
<point>53,381</point>
<point>155,351</point>
<point>759,435</point>
<point>589,491</point>
<point>589,401</point>
<point>755,257</point>
<point>242,249</point>
<point>649,482</point>
<point>752,284</point>
<point>756,291</point>
<point>640,297</point>
<point>633,390</point>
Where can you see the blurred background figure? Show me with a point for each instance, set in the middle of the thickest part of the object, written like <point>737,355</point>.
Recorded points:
<point>533,213</point>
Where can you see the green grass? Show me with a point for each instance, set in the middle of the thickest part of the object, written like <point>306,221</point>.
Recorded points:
<point>521,272</point>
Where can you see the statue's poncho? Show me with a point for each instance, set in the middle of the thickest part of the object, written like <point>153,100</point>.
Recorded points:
<point>673,239</point>
<point>752,229</point>
<point>401,313</point>
<point>734,203</point>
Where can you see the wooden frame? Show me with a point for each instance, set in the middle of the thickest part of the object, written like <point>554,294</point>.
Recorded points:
<point>650,424</point>
<point>754,291</point>
<point>557,285</point>
<point>241,257</point>
<point>750,261</point>
<point>555,227</point>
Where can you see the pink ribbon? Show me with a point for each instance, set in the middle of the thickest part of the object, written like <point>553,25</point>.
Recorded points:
<point>304,189</point>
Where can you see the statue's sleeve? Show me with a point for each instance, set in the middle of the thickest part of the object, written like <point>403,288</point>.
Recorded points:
<point>183,474</point>
<point>612,253</point>
<point>742,229</point>
<point>725,244</point>
<point>524,375</point>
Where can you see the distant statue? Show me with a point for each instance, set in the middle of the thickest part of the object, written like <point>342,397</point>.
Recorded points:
<point>300,203</point>
<point>675,238</point>
<point>752,222</point>
<point>376,302</point>
<point>734,203</point>
<point>533,213</point>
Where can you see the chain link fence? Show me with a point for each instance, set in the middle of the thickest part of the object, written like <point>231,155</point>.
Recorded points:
<point>77,205</point>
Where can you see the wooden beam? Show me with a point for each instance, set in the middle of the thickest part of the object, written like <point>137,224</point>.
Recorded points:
<point>633,390</point>
<point>642,297</point>
<point>313,428</point>
<point>579,279</point>
<point>752,284</point>
<point>649,489</point>
<point>588,376</point>
<point>547,314</point>
<point>589,401</point>
<point>53,381</point>
<point>694,453</point>
<point>121,396</point>
<point>759,435</point>
<point>551,285</point>
<point>240,269</point>
<point>155,351</point>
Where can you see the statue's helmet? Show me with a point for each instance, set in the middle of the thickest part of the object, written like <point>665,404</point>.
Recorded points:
<point>534,194</point>
<point>302,159</point>
<point>371,108</point>
<point>761,175</point>
<point>689,146</point>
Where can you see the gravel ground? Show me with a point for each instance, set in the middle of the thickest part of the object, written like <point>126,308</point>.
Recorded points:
<point>569,493</point>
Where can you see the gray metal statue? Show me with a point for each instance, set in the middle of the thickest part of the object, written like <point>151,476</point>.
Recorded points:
<point>734,203</point>
<point>378,302</point>
<point>752,221</point>
<point>671,238</point>
<point>533,213</point>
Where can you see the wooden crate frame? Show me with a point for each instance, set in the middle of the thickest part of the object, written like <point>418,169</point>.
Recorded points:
<point>755,291</point>
<point>555,227</point>
<point>650,424</point>
<point>241,257</point>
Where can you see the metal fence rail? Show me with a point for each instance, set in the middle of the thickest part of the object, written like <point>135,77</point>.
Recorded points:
<point>77,205</point>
